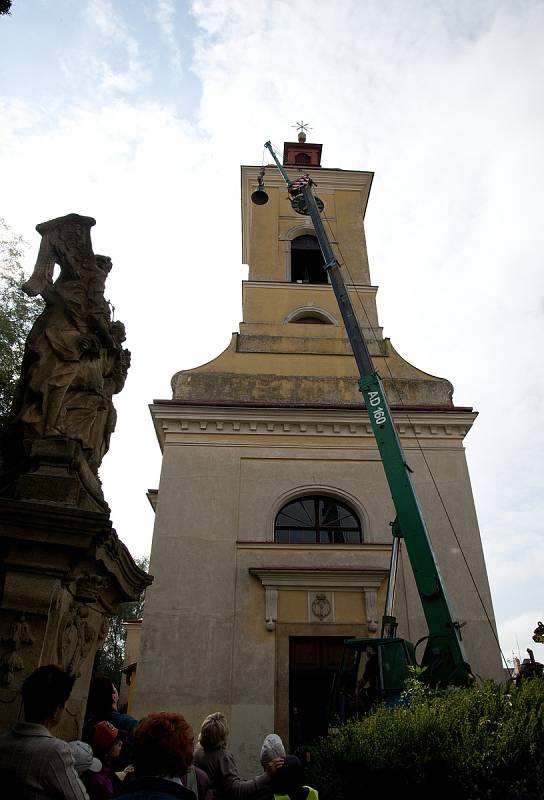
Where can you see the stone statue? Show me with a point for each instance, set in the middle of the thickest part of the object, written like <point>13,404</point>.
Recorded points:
<point>74,361</point>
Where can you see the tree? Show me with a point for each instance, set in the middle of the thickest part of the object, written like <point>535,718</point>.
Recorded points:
<point>17,314</point>
<point>5,6</point>
<point>109,659</point>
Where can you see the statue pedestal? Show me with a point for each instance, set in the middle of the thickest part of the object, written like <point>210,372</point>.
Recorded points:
<point>56,472</point>
<point>64,573</point>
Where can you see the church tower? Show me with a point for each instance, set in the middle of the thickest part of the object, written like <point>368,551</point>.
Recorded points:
<point>272,537</point>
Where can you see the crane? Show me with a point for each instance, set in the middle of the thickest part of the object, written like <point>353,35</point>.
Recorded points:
<point>388,657</point>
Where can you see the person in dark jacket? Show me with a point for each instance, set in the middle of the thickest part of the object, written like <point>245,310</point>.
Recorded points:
<point>102,705</point>
<point>107,745</point>
<point>212,756</point>
<point>288,782</point>
<point>162,753</point>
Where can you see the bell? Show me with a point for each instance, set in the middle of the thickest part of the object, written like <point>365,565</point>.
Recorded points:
<point>259,197</point>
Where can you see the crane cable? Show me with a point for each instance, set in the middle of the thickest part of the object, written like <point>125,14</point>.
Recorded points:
<point>411,424</point>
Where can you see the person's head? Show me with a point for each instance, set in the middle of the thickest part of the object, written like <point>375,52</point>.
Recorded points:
<point>102,698</point>
<point>83,757</point>
<point>289,779</point>
<point>106,741</point>
<point>214,732</point>
<point>272,748</point>
<point>45,693</point>
<point>163,746</point>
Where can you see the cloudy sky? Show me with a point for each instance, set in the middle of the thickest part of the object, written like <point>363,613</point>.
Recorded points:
<point>139,113</point>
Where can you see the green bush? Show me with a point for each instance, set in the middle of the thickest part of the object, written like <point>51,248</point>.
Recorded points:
<point>481,743</point>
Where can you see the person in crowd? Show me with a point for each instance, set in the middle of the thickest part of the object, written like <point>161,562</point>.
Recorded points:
<point>107,744</point>
<point>34,764</point>
<point>198,782</point>
<point>162,753</point>
<point>84,759</point>
<point>212,756</point>
<point>272,748</point>
<point>288,782</point>
<point>102,705</point>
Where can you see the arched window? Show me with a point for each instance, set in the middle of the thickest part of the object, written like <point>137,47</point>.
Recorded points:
<point>309,316</point>
<point>307,265</point>
<point>312,319</point>
<point>302,159</point>
<point>316,519</point>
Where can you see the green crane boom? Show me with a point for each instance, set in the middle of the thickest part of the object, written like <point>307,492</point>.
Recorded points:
<point>444,658</point>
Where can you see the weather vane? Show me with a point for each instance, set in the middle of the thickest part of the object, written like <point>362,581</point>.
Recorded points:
<point>302,128</point>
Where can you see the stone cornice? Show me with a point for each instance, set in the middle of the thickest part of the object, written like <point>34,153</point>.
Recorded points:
<point>316,287</point>
<point>287,550</point>
<point>337,579</point>
<point>177,420</point>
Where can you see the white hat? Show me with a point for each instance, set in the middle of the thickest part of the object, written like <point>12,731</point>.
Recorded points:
<point>83,757</point>
<point>272,748</point>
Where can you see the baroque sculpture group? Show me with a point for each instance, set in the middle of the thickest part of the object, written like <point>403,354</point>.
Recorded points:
<point>74,360</point>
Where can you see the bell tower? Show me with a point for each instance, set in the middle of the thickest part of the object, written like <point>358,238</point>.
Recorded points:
<point>272,535</point>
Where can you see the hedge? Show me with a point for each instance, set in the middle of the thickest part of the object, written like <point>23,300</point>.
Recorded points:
<point>480,743</point>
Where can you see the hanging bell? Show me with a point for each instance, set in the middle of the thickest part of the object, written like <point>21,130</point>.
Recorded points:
<point>259,196</point>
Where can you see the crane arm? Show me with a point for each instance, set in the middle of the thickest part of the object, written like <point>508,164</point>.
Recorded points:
<point>444,653</point>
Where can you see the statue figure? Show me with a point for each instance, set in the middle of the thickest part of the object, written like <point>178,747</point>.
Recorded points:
<point>74,360</point>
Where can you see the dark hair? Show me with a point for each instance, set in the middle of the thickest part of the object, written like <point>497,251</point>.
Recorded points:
<point>47,688</point>
<point>99,704</point>
<point>289,779</point>
<point>163,745</point>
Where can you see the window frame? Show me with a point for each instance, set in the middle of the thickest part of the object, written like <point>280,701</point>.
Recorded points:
<point>316,525</point>
<point>307,268</point>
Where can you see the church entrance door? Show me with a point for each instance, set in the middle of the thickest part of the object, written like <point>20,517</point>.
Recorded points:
<point>313,661</point>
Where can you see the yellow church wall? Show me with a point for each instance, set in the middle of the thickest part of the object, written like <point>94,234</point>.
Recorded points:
<point>266,304</point>
<point>293,606</point>
<point>348,607</point>
<point>351,238</point>
<point>264,240</point>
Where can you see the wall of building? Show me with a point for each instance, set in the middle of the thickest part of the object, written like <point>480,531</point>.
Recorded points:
<point>206,643</point>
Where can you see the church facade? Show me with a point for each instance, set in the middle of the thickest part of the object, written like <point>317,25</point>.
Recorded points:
<point>272,535</point>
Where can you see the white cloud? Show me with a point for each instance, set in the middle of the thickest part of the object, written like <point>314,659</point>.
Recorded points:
<point>165,16</point>
<point>107,44</point>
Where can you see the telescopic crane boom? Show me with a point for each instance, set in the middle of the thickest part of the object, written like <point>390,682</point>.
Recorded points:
<point>443,660</point>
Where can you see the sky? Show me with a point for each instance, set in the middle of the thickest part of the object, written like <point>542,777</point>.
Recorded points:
<point>140,112</point>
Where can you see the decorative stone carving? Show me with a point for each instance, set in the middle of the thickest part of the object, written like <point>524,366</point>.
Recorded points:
<point>320,605</point>
<point>74,361</point>
<point>88,587</point>
<point>371,605</point>
<point>76,637</point>
<point>12,661</point>
<point>271,607</point>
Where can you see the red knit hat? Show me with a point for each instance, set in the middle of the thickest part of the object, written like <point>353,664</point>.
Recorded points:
<point>105,734</point>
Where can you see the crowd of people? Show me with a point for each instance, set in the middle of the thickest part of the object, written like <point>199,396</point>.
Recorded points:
<point>153,759</point>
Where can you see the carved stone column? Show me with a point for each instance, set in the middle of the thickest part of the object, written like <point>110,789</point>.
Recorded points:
<point>65,572</point>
